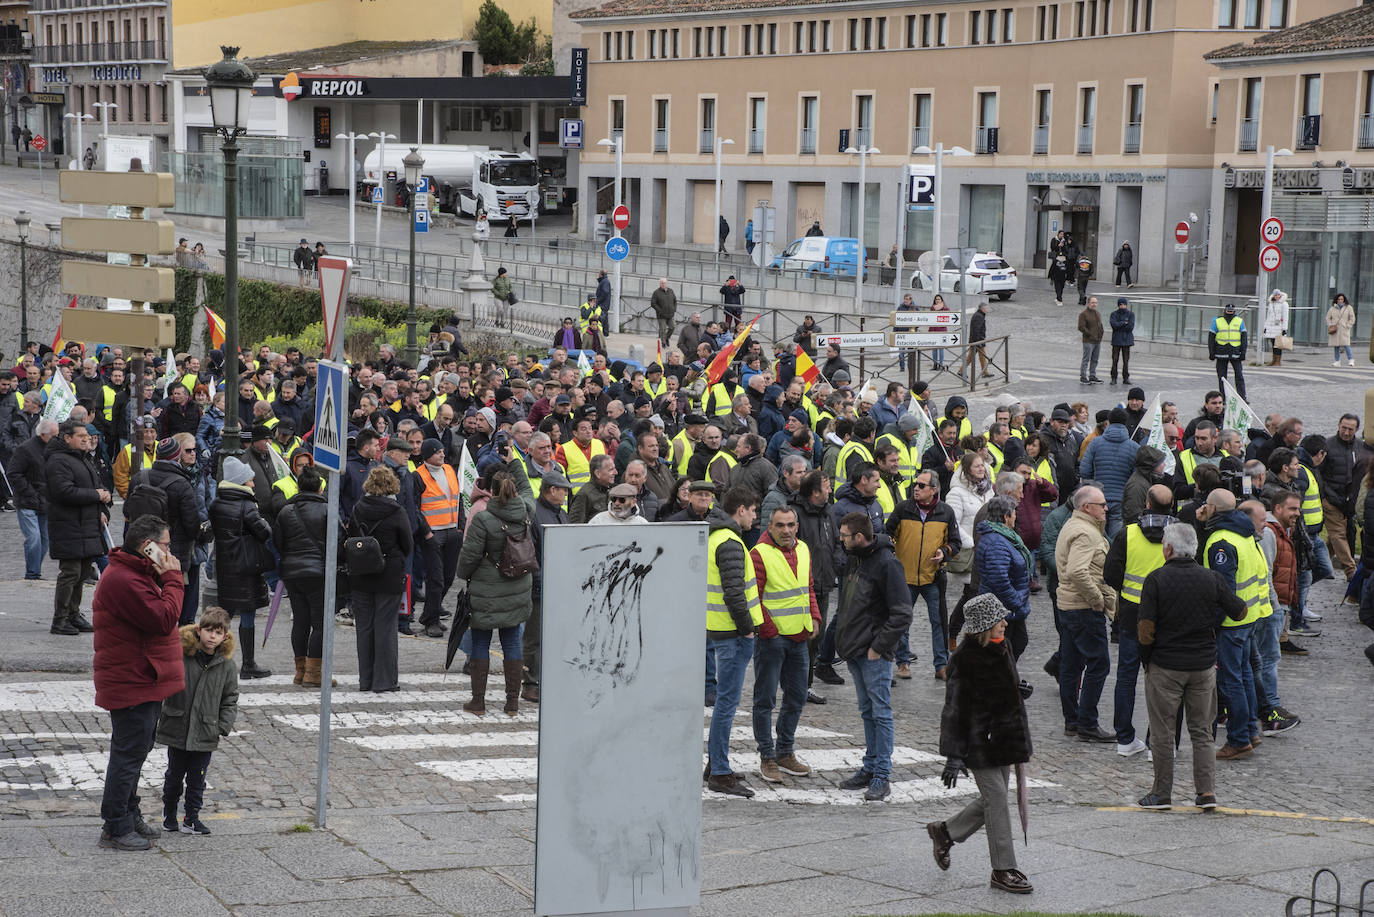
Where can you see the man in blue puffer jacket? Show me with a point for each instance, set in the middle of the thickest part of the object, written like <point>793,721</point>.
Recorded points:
<point>1110,460</point>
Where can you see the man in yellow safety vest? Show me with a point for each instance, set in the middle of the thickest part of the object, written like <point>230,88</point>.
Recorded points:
<point>1227,341</point>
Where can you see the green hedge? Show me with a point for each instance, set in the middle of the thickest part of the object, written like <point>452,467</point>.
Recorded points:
<point>269,310</point>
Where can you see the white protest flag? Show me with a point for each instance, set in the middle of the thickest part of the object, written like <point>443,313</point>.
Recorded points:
<point>868,386</point>
<point>1157,439</point>
<point>61,399</point>
<point>584,366</point>
<point>279,465</point>
<point>1238,414</point>
<point>467,476</point>
<point>925,437</point>
<point>170,375</point>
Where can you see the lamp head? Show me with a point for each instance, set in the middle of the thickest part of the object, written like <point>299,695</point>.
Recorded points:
<point>413,163</point>
<point>230,82</point>
<point>22,221</point>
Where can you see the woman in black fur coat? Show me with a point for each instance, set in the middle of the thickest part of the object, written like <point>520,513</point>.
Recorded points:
<point>983,729</point>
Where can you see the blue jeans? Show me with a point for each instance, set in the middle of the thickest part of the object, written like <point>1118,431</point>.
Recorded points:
<point>873,685</point>
<point>1083,651</point>
<point>1236,682</point>
<point>1127,671</point>
<point>778,661</point>
<point>1319,569</point>
<point>35,530</point>
<point>1114,523</point>
<point>1267,633</point>
<point>732,662</point>
<point>826,654</point>
<point>710,669</point>
<point>510,643</point>
<point>190,599</point>
<point>938,641</point>
<point>1346,348</point>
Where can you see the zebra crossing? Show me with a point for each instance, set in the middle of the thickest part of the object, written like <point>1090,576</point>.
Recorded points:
<point>422,728</point>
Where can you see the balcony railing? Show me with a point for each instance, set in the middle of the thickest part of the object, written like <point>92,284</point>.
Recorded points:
<point>13,46</point>
<point>863,137</point>
<point>756,140</point>
<point>708,141</point>
<point>51,6</point>
<point>660,141</point>
<point>807,142</point>
<point>986,141</point>
<point>1042,139</point>
<point>100,51</point>
<point>1085,138</point>
<point>1132,143</point>
<point>1249,135</point>
<point>920,136</point>
<point>1367,131</point>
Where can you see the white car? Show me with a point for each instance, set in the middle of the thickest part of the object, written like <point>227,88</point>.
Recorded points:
<point>987,273</point>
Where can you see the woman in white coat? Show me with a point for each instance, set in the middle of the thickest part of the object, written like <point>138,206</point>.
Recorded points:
<point>1275,324</point>
<point>1340,325</point>
<point>969,489</point>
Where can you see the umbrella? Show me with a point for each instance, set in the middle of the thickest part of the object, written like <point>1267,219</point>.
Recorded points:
<point>1023,802</point>
<point>272,612</point>
<point>462,615</point>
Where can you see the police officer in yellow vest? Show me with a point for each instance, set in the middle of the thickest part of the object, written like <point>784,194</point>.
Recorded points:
<point>1136,552</point>
<point>732,615</point>
<point>1226,344</point>
<point>903,440</point>
<point>1233,552</point>
<point>782,569</point>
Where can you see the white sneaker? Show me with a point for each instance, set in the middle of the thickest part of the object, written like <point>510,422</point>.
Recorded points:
<point>1149,755</point>
<point>1338,363</point>
<point>1310,615</point>
<point>1351,363</point>
<point>1135,748</point>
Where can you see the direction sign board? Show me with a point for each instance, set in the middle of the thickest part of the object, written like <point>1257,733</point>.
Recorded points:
<point>858,339</point>
<point>377,195</point>
<point>334,276</point>
<point>925,319</point>
<point>422,221</point>
<point>1271,231</point>
<point>38,143</point>
<point>617,248</point>
<point>331,407</point>
<point>1181,230</point>
<point>924,339</point>
<point>1270,258</point>
<point>620,217</point>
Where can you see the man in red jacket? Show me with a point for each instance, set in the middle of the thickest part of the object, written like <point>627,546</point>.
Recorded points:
<point>137,666</point>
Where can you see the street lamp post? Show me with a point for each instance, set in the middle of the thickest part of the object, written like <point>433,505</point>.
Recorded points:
<point>381,137</point>
<point>104,117</point>
<point>863,153</point>
<point>613,320</point>
<point>414,164</point>
<point>230,82</point>
<point>352,137</point>
<point>22,222</point>
<point>715,227</point>
<point>1266,211</point>
<point>80,146</point>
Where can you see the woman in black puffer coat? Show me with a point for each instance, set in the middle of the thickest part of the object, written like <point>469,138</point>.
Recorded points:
<point>241,556</point>
<point>376,599</point>
<point>299,533</point>
<point>984,729</point>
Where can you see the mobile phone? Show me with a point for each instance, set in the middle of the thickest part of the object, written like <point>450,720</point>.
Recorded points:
<point>153,552</point>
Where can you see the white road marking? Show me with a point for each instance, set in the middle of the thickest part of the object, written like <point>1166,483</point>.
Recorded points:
<point>903,791</point>
<point>83,771</point>
<point>369,719</point>
<point>525,738</point>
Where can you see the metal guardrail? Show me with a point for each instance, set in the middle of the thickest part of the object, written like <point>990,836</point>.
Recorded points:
<point>1299,905</point>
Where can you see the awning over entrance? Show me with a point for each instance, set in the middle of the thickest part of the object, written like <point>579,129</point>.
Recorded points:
<point>1079,200</point>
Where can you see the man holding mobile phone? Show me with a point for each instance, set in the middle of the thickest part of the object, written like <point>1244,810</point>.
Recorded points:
<point>78,509</point>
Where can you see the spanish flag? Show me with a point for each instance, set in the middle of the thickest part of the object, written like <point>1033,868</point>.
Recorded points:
<point>216,328</point>
<point>58,343</point>
<point>806,369</point>
<point>723,358</point>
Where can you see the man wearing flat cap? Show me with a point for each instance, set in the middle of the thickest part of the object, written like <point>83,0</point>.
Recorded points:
<point>622,508</point>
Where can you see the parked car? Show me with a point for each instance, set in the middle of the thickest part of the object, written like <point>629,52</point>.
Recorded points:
<point>987,273</point>
<point>828,256</point>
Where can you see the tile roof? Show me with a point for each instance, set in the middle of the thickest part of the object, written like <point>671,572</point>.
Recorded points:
<point>1347,30</point>
<point>616,8</point>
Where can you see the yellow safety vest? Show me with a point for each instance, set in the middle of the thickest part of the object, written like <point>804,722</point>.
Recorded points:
<point>683,447</point>
<point>590,310</point>
<point>909,459</point>
<point>149,455</point>
<point>1143,557</point>
<point>269,397</point>
<point>1018,432</point>
<point>887,499</point>
<point>720,399</point>
<point>786,595</point>
<point>109,394</point>
<point>19,400</point>
<point>656,392</point>
<point>429,409</point>
<point>189,382</point>
<point>729,463</point>
<point>287,485</point>
<point>1189,460</point>
<point>1311,500</point>
<point>717,615</point>
<point>1046,474</point>
<point>580,463</point>
<point>842,459</point>
<point>1252,576</point>
<point>1228,331</point>
<point>812,411</point>
<point>439,508</point>
<point>998,458</point>
<point>965,427</point>
<point>271,422</point>
<point>285,452</point>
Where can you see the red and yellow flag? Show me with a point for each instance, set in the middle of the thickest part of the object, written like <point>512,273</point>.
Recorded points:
<point>726,354</point>
<point>216,328</point>
<point>806,368</point>
<point>660,353</point>
<point>58,343</point>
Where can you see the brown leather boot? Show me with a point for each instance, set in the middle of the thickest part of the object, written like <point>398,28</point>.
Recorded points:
<point>530,693</point>
<point>514,676</point>
<point>310,678</point>
<point>300,670</point>
<point>478,668</point>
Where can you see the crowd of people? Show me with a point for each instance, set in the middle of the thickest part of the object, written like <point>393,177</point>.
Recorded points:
<point>832,513</point>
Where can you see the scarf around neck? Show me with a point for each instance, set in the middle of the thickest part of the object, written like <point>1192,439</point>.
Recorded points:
<point>1015,539</point>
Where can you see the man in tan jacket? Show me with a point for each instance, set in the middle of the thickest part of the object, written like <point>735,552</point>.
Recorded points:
<point>1086,602</point>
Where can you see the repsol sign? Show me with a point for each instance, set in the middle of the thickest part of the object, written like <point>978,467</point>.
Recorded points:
<point>336,89</point>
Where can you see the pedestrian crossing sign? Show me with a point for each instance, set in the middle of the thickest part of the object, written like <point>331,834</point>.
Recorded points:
<point>330,416</point>
<point>377,195</point>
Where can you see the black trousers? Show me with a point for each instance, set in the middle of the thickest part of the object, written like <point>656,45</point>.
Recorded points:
<point>441,565</point>
<point>375,615</point>
<point>1124,355</point>
<point>307,617</point>
<point>1235,363</point>
<point>184,768</point>
<point>131,738</point>
<point>529,640</point>
<point>1122,272</point>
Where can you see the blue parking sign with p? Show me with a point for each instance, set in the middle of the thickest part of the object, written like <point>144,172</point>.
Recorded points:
<point>570,133</point>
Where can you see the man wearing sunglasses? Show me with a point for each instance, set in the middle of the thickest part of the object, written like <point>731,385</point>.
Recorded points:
<point>622,508</point>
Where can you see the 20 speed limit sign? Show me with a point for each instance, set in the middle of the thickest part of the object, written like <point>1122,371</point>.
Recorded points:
<point>1270,258</point>
<point>1271,231</point>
